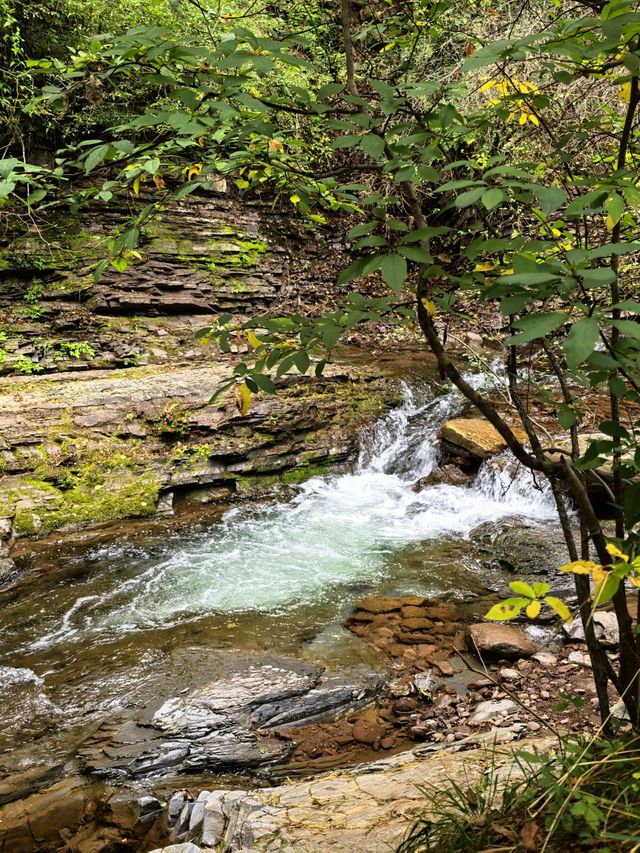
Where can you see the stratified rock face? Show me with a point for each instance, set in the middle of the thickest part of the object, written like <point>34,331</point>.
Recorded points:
<point>230,723</point>
<point>136,428</point>
<point>500,641</point>
<point>475,435</point>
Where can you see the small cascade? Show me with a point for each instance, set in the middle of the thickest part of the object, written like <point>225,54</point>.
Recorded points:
<point>336,531</point>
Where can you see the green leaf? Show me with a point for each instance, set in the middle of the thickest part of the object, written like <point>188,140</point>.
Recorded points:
<point>550,198</point>
<point>302,361</point>
<point>566,416</point>
<point>522,588</point>
<point>469,198</point>
<point>536,326</point>
<point>331,336</point>
<point>540,587</point>
<point>614,206</point>
<point>95,157</point>
<point>416,254</point>
<point>394,270</point>
<point>264,382</point>
<point>628,327</point>
<point>352,271</point>
<point>581,341</point>
<point>597,277</point>
<point>362,229</point>
<point>424,234</point>
<point>589,202</point>
<point>492,198</point>
<point>631,505</point>
<point>372,145</point>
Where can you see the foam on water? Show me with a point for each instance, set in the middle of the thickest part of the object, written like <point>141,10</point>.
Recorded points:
<point>337,530</point>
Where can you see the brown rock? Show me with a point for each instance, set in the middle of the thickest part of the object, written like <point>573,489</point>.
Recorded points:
<point>499,641</point>
<point>368,728</point>
<point>410,612</point>
<point>425,650</point>
<point>445,668</point>
<point>416,638</point>
<point>416,624</point>
<point>379,604</point>
<point>443,612</point>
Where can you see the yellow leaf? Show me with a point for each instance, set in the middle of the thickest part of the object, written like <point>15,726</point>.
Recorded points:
<point>136,185</point>
<point>599,576</point>
<point>254,343</point>
<point>533,609</point>
<point>534,119</point>
<point>616,552</point>
<point>275,145</point>
<point>635,580</point>
<point>429,306</point>
<point>243,398</point>
<point>558,605</point>
<point>580,567</point>
<point>610,223</point>
<point>194,170</point>
<point>523,118</point>
<point>294,199</point>
<point>484,267</point>
<point>625,92</point>
<point>488,85</point>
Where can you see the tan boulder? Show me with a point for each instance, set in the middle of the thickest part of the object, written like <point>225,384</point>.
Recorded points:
<point>476,436</point>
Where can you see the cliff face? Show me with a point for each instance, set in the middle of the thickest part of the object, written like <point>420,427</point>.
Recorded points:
<point>104,397</point>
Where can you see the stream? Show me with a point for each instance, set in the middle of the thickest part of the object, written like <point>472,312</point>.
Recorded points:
<point>107,629</point>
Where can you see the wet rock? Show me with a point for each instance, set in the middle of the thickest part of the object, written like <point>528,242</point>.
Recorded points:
<point>39,820</point>
<point>25,708</point>
<point>236,721</point>
<point>486,712</point>
<point>493,640</point>
<point>450,475</point>
<point>523,546</point>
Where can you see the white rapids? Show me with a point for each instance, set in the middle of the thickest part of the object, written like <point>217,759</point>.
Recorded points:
<point>337,530</point>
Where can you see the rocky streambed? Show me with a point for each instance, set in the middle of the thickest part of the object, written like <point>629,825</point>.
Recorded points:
<point>198,604</point>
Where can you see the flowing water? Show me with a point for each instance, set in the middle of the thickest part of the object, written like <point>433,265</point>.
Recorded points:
<point>119,623</point>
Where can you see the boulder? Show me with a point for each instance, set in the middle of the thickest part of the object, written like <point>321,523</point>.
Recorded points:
<point>499,641</point>
<point>475,435</point>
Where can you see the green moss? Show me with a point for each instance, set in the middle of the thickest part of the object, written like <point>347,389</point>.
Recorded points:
<point>299,475</point>
<point>86,501</point>
<point>24,523</point>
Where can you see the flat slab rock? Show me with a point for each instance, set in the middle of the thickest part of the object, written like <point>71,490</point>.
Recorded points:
<point>232,721</point>
<point>475,435</point>
<point>368,807</point>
